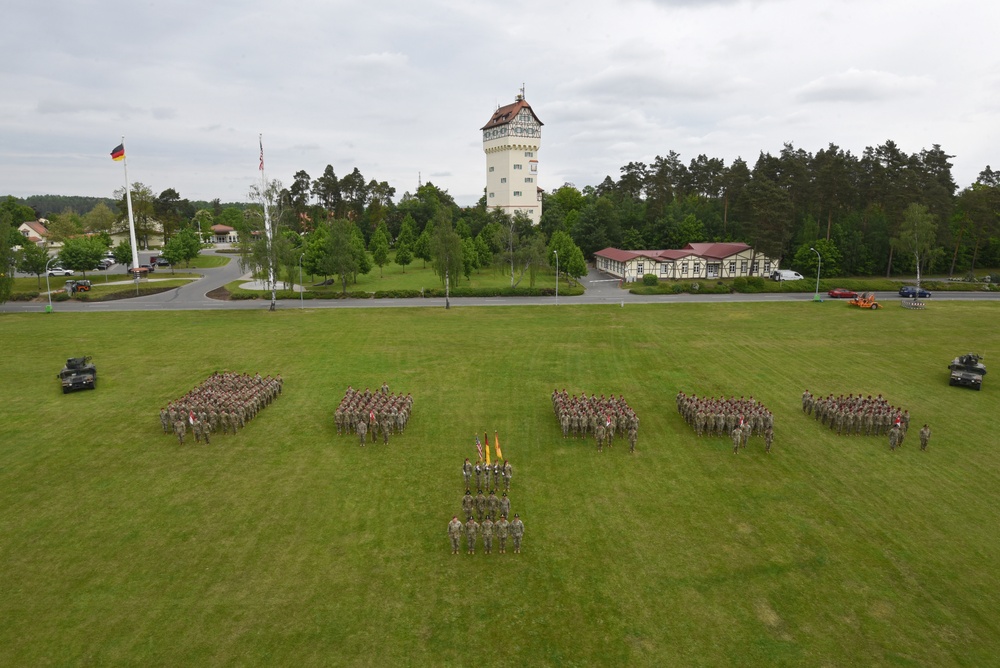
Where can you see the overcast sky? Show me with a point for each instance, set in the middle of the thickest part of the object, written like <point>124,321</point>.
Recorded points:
<point>400,89</point>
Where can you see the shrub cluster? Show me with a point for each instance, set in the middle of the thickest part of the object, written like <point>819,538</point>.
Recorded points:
<point>650,279</point>
<point>23,296</point>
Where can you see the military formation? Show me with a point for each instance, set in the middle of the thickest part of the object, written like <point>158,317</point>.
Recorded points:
<point>855,415</point>
<point>720,416</point>
<point>374,413</point>
<point>226,401</point>
<point>486,516</point>
<point>600,417</point>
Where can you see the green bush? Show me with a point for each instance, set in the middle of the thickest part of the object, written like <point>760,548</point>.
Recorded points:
<point>740,284</point>
<point>60,297</point>
<point>649,279</point>
<point>23,296</point>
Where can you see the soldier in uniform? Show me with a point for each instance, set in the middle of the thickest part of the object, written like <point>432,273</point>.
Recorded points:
<point>362,430</point>
<point>487,530</point>
<point>500,527</point>
<point>467,473</point>
<point>633,435</point>
<point>517,532</point>
<point>455,533</point>
<point>504,506</point>
<point>179,429</point>
<point>480,505</point>
<point>599,435</point>
<point>492,506</point>
<point>468,505</point>
<point>737,436</point>
<point>508,473</point>
<point>925,436</point>
<point>479,475</point>
<point>894,437</point>
<point>165,420</point>
<point>471,528</point>
<point>768,438</point>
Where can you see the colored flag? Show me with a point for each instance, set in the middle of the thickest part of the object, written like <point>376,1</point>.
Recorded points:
<point>118,154</point>
<point>496,444</point>
<point>479,446</point>
<point>191,417</point>
<point>261,154</point>
<point>371,414</point>
<point>487,454</point>
<point>607,419</point>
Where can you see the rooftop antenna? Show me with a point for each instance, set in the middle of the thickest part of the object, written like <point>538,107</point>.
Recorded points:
<point>522,90</point>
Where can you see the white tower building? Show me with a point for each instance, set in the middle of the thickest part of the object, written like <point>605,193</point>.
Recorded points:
<point>511,140</point>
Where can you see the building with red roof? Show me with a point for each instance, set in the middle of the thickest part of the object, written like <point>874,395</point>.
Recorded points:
<point>697,260</point>
<point>510,140</point>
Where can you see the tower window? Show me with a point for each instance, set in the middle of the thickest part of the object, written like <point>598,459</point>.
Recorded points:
<point>491,194</point>
<point>529,154</point>
<point>503,179</point>
<point>517,166</point>
<point>529,179</point>
<point>517,193</point>
<point>491,169</point>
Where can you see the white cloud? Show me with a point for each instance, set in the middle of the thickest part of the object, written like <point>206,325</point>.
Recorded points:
<point>855,85</point>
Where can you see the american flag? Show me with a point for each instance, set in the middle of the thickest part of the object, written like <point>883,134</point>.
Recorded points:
<point>261,153</point>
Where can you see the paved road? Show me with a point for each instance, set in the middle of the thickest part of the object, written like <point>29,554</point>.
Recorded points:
<point>600,289</point>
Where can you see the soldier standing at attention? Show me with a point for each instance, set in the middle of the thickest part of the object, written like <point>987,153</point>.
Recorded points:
<point>504,506</point>
<point>894,437</point>
<point>480,505</point>
<point>362,430</point>
<point>165,420</point>
<point>455,533</point>
<point>599,435</point>
<point>508,473</point>
<point>768,439</point>
<point>479,475</point>
<point>471,528</point>
<point>925,437</point>
<point>501,528</point>
<point>492,506</point>
<point>633,435</point>
<point>737,435</point>
<point>179,429</point>
<point>517,532</point>
<point>468,505</point>
<point>487,529</point>
<point>467,473</point>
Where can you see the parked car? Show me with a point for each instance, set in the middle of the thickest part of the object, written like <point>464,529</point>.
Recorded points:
<point>842,293</point>
<point>59,271</point>
<point>162,262</point>
<point>148,267</point>
<point>913,292</point>
<point>785,275</point>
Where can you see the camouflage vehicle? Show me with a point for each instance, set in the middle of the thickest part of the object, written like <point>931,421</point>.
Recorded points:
<point>967,370</point>
<point>78,374</point>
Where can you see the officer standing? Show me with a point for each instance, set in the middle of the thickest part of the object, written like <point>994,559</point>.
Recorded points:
<point>517,532</point>
<point>471,528</point>
<point>487,530</point>
<point>925,436</point>
<point>501,527</point>
<point>455,533</point>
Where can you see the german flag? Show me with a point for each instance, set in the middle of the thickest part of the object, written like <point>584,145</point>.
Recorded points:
<point>118,154</point>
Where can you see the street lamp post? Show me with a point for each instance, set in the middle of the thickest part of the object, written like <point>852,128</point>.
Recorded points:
<point>819,266</point>
<point>556,253</point>
<point>302,287</point>
<point>48,291</point>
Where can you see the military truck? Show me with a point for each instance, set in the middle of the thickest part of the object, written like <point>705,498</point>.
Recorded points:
<point>78,374</point>
<point>967,370</point>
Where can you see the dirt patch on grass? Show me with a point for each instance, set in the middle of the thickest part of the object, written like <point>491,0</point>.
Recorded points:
<point>219,293</point>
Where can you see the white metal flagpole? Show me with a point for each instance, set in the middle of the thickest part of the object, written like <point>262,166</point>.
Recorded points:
<point>267,225</point>
<point>131,220</point>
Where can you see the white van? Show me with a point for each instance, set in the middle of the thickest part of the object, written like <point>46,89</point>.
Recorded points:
<point>786,275</point>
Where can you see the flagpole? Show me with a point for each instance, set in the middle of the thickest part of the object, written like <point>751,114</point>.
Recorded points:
<point>131,220</point>
<point>267,224</point>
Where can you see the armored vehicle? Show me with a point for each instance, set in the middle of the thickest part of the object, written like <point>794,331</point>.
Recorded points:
<point>967,370</point>
<point>78,374</point>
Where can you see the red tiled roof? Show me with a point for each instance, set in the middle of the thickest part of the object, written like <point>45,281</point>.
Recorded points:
<point>717,251</point>
<point>221,229</point>
<point>506,114</point>
<point>619,255</point>
<point>37,227</point>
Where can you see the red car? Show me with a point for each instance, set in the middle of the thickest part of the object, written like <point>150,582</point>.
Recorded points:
<point>842,293</point>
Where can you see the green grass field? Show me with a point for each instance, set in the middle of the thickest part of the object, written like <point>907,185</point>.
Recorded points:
<point>289,545</point>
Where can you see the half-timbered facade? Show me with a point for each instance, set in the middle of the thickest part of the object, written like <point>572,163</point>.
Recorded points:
<point>697,260</point>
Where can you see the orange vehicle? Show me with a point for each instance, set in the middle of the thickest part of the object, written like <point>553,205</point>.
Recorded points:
<point>865,300</point>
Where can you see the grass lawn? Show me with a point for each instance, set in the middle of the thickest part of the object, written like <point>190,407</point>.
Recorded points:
<point>289,545</point>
